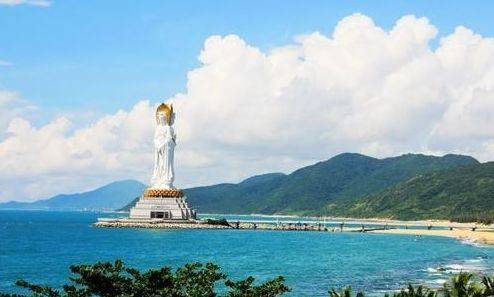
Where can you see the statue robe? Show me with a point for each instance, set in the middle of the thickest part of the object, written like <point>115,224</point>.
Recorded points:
<point>164,147</point>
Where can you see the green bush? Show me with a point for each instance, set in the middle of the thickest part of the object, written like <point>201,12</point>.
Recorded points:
<point>107,279</point>
<point>218,222</point>
<point>460,285</point>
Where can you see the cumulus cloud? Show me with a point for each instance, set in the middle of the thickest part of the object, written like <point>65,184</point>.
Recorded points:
<point>40,3</point>
<point>59,156</point>
<point>360,88</point>
<point>11,106</point>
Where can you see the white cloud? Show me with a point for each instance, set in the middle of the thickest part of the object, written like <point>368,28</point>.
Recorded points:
<point>40,3</point>
<point>359,89</point>
<point>58,155</point>
<point>11,106</point>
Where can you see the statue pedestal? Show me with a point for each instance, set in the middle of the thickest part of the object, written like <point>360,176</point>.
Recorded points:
<point>161,200</point>
<point>169,205</point>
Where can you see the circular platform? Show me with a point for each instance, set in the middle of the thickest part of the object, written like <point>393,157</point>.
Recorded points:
<point>156,193</point>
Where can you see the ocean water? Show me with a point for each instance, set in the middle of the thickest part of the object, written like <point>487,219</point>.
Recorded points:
<point>39,246</point>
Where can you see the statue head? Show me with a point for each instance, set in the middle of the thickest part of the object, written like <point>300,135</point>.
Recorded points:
<point>164,114</point>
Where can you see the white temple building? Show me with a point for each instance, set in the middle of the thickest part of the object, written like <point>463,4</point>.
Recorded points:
<point>161,200</point>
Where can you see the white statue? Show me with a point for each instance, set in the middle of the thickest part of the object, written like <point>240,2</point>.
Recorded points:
<point>164,146</point>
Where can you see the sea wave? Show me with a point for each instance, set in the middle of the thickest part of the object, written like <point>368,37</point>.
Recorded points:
<point>438,276</point>
<point>439,281</point>
<point>472,242</point>
<point>476,265</point>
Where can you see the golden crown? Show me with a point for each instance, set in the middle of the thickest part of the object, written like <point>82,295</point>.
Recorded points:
<point>167,110</point>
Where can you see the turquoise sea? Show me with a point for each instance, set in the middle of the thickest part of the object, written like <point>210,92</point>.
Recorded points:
<point>39,246</point>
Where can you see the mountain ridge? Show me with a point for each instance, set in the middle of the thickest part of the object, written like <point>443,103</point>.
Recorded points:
<point>464,193</point>
<point>308,190</point>
<point>322,188</point>
<point>108,197</point>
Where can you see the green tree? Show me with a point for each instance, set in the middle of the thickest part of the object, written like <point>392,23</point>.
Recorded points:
<point>245,288</point>
<point>420,291</point>
<point>460,285</point>
<point>345,292</point>
<point>488,283</point>
<point>107,279</point>
<point>463,285</point>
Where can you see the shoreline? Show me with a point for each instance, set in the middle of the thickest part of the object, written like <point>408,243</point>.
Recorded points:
<point>375,221</point>
<point>462,231</point>
<point>479,236</point>
<point>484,234</point>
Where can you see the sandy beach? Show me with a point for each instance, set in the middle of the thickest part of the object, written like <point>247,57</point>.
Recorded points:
<point>383,221</point>
<point>481,236</point>
<point>462,231</point>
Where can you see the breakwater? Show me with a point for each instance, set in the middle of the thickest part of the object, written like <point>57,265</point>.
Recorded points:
<point>472,234</point>
<point>211,224</point>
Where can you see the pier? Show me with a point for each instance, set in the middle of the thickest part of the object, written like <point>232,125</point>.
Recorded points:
<point>468,233</point>
<point>235,225</point>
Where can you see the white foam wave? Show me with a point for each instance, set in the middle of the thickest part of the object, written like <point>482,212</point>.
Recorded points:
<point>439,281</point>
<point>469,265</point>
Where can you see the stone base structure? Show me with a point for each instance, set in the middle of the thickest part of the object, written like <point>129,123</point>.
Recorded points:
<point>167,208</point>
<point>161,201</point>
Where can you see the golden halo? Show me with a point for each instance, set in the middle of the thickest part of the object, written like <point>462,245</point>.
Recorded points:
<point>167,109</point>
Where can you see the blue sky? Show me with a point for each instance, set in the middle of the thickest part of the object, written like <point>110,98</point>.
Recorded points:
<point>258,86</point>
<point>100,56</point>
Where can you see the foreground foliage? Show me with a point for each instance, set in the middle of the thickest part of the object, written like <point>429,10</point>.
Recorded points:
<point>461,285</point>
<point>107,279</point>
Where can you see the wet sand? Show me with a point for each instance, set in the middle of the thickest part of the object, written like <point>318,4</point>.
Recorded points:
<point>481,236</point>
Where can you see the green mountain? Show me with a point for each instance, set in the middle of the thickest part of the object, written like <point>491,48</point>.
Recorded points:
<point>463,193</point>
<point>207,198</point>
<point>318,188</point>
<point>407,187</point>
<point>109,197</point>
